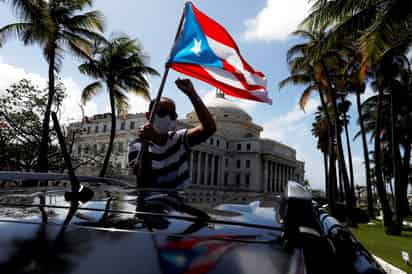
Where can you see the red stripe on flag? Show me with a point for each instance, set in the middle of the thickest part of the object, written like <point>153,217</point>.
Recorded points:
<point>215,31</point>
<point>228,67</point>
<point>198,72</point>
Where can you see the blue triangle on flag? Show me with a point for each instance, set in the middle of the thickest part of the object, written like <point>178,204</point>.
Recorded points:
<point>192,46</point>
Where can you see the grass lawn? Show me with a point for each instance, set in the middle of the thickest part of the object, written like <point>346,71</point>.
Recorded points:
<point>384,246</point>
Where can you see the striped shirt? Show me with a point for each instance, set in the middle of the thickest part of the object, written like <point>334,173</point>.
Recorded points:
<point>170,162</point>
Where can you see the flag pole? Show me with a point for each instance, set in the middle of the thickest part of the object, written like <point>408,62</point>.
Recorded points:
<point>166,72</point>
<point>159,95</point>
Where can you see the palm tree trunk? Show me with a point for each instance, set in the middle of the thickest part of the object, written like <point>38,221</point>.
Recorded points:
<point>366,158</point>
<point>350,200</point>
<point>43,163</point>
<point>325,165</point>
<point>396,164</point>
<point>112,133</point>
<point>404,179</point>
<point>380,185</point>
<point>341,158</point>
<point>341,188</point>
<point>332,183</point>
<point>348,147</point>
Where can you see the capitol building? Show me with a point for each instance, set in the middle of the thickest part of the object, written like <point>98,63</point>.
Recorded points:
<point>235,159</point>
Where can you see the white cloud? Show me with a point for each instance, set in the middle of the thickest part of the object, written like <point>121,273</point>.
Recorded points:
<point>279,128</point>
<point>137,104</point>
<point>276,20</point>
<point>10,74</point>
<point>70,109</point>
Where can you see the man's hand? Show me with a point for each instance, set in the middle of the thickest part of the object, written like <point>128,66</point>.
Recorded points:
<point>207,125</point>
<point>186,86</point>
<point>148,134</point>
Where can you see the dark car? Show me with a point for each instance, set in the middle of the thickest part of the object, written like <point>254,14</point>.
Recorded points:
<point>112,228</point>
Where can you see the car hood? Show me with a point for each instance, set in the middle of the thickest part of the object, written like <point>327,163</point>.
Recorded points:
<point>95,241</point>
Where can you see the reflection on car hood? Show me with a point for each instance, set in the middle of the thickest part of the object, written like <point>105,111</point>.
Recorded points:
<point>121,241</point>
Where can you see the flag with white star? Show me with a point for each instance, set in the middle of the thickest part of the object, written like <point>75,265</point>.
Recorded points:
<point>206,51</point>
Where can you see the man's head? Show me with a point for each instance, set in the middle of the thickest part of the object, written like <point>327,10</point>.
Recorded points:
<point>165,116</point>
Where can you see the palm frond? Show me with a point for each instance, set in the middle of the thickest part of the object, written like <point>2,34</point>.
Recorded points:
<point>93,20</point>
<point>16,30</point>
<point>121,103</point>
<point>304,34</point>
<point>296,79</point>
<point>78,45</point>
<point>122,65</point>
<point>28,10</point>
<point>91,69</point>
<point>296,50</point>
<point>139,70</point>
<point>90,91</point>
<point>380,37</point>
<point>306,95</point>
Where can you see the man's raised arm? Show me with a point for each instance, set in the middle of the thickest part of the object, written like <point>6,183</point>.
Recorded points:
<point>207,125</point>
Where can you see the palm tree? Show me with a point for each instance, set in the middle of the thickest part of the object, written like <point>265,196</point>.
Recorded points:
<point>320,131</point>
<point>392,79</point>
<point>56,26</point>
<point>305,71</point>
<point>318,64</point>
<point>384,117</point>
<point>376,125</point>
<point>120,65</point>
<point>381,25</point>
<point>343,107</point>
<point>355,75</point>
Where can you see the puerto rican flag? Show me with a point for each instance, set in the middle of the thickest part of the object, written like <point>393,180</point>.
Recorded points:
<point>206,51</point>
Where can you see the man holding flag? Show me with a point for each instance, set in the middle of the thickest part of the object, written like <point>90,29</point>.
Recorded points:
<point>165,162</point>
<point>203,49</point>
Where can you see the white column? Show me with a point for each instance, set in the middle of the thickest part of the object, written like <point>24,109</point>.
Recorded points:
<point>199,167</point>
<point>265,175</point>
<point>289,174</point>
<point>272,165</point>
<point>219,171</point>
<point>276,178</point>
<point>212,173</point>
<point>191,167</point>
<point>272,171</point>
<point>206,168</point>
<point>282,174</point>
<point>222,169</point>
<point>286,175</point>
<point>269,176</point>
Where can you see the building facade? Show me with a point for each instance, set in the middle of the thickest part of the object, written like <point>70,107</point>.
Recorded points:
<point>234,159</point>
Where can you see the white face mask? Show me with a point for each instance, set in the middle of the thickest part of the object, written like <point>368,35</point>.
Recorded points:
<point>164,124</point>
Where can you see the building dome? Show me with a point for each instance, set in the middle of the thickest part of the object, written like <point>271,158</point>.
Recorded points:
<point>220,107</point>
<point>232,121</point>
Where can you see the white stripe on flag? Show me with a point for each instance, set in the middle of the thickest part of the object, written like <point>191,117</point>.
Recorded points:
<point>224,77</point>
<point>262,96</point>
<point>231,56</point>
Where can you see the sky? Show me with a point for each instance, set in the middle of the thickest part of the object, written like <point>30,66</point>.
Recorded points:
<point>262,31</point>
